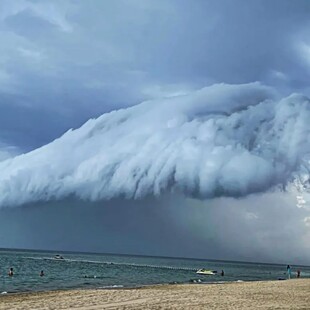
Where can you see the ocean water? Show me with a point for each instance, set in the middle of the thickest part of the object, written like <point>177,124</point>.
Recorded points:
<point>78,270</point>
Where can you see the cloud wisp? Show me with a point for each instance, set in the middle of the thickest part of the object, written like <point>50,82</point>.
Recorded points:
<point>223,140</point>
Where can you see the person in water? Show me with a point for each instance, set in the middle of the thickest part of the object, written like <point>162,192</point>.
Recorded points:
<point>298,273</point>
<point>41,273</point>
<point>222,273</point>
<point>289,271</point>
<point>11,272</point>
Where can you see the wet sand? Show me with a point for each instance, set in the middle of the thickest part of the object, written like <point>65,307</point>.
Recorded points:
<point>289,294</point>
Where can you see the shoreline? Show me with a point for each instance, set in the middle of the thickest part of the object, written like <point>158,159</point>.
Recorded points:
<point>289,294</point>
<point>142,286</point>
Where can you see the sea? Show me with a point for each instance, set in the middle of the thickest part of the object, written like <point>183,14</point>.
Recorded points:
<point>85,270</point>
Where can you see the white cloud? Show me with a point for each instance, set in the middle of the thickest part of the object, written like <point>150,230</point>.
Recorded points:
<point>304,51</point>
<point>307,221</point>
<point>53,12</point>
<point>223,140</point>
<point>32,54</point>
<point>279,75</point>
<point>7,151</point>
<point>166,91</point>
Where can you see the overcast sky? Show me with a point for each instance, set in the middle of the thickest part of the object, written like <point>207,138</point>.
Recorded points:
<point>63,62</point>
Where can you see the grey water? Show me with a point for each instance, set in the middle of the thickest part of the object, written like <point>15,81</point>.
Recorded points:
<point>78,270</point>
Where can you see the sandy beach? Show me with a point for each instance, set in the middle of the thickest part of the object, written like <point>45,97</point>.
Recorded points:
<point>292,294</point>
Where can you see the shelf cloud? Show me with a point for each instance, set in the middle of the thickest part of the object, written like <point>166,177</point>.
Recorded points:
<point>221,141</point>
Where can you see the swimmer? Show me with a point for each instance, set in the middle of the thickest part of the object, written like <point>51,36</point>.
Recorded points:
<point>11,272</point>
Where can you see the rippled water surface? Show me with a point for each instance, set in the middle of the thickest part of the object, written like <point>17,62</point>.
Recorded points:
<point>99,270</point>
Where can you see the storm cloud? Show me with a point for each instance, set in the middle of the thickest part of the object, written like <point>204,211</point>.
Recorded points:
<point>63,62</point>
<point>223,140</point>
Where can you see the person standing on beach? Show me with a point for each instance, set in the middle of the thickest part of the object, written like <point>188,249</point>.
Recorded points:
<point>289,271</point>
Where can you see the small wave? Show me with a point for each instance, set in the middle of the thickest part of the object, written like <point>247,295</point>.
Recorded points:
<point>195,281</point>
<point>115,263</point>
<point>94,277</point>
<point>111,286</point>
